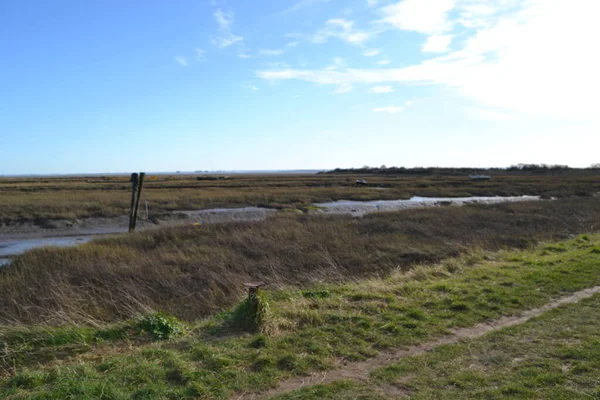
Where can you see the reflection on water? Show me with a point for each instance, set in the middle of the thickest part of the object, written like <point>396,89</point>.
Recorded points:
<point>364,207</point>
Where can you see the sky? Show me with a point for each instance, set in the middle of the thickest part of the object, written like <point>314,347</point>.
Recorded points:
<point>165,85</point>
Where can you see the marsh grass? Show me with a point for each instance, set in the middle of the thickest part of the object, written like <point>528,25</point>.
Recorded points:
<point>191,272</point>
<point>43,200</point>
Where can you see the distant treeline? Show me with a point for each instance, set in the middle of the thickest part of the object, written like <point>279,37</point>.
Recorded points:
<point>513,169</point>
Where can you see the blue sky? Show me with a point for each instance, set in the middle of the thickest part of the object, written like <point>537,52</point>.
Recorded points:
<point>163,85</point>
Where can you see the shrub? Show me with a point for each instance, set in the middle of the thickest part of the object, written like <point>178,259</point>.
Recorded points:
<point>162,327</point>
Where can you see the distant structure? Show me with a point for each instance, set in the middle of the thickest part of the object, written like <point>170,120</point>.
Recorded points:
<point>480,177</point>
<point>361,182</point>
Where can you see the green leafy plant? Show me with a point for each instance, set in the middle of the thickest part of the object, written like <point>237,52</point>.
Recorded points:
<point>161,326</point>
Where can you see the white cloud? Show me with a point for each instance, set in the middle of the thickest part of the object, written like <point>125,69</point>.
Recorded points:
<point>486,114</point>
<point>389,109</point>
<point>372,53</point>
<point>424,16</point>
<point>224,19</point>
<point>200,52</point>
<point>437,44</point>
<point>182,61</point>
<point>244,55</point>
<point>381,89</point>
<point>227,40</point>
<point>372,3</point>
<point>535,60</point>
<point>292,44</point>
<point>343,88</point>
<point>338,63</point>
<point>342,29</point>
<point>271,52</point>
<point>384,62</point>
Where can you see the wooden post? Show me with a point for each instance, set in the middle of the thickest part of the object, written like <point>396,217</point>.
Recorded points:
<point>134,188</point>
<point>137,200</point>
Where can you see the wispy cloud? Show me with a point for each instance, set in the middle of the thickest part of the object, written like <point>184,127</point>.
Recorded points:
<point>384,62</point>
<point>372,3</point>
<point>181,61</point>
<point>381,89</point>
<point>509,63</point>
<point>343,89</point>
<point>225,21</point>
<point>424,16</point>
<point>337,63</point>
<point>244,55</point>
<point>342,29</point>
<point>227,40</point>
<point>372,53</point>
<point>292,44</point>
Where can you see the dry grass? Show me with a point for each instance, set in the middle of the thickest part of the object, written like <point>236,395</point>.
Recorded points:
<point>190,272</point>
<point>41,199</point>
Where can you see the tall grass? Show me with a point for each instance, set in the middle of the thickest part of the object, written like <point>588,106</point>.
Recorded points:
<point>193,271</point>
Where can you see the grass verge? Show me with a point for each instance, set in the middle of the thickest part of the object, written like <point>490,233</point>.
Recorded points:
<point>316,329</point>
<point>555,356</point>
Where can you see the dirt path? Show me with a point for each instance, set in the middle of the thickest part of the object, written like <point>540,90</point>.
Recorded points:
<point>361,370</point>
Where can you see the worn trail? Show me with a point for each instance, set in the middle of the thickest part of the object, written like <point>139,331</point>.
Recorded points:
<point>361,370</point>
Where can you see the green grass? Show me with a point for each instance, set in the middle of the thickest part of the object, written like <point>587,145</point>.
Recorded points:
<point>312,330</point>
<point>555,356</point>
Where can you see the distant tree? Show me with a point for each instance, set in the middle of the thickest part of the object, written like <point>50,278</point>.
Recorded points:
<point>383,167</point>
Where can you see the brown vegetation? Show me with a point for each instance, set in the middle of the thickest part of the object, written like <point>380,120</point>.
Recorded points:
<point>194,271</point>
<point>39,200</point>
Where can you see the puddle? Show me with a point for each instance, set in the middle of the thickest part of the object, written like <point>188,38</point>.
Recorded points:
<point>16,247</point>
<point>359,208</point>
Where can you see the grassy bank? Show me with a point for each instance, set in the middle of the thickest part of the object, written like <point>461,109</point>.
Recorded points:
<point>318,329</point>
<point>192,272</point>
<point>552,357</point>
<point>42,200</point>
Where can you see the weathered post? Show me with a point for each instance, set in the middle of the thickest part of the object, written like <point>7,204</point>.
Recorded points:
<point>134,188</point>
<point>137,200</point>
<point>255,308</point>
